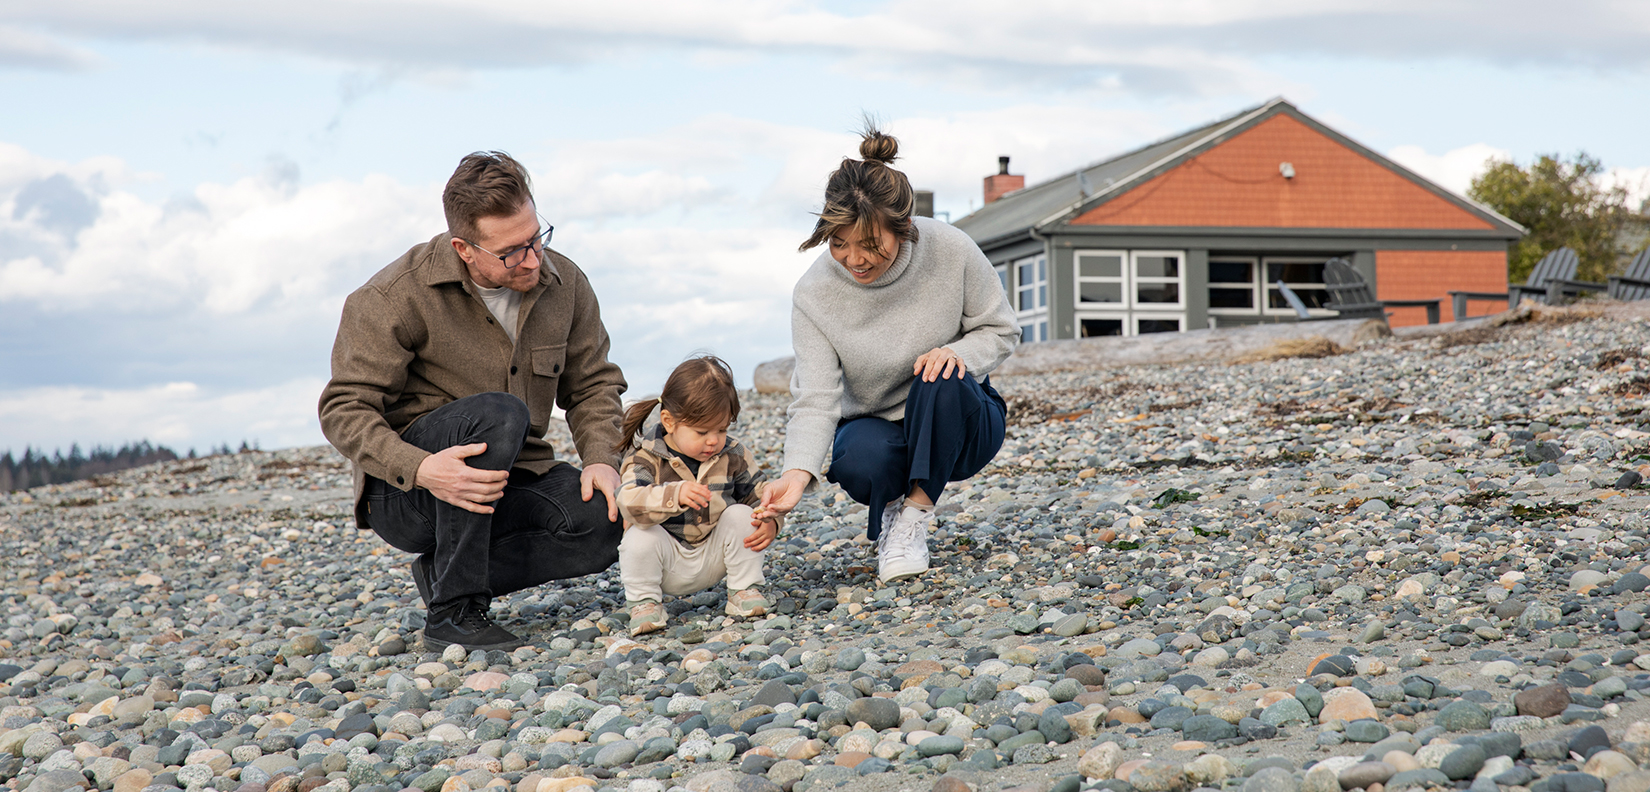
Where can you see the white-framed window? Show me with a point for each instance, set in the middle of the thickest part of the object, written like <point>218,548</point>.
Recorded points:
<point>1101,280</point>
<point>1028,279</point>
<point>1144,279</point>
<point>1030,284</point>
<point>1234,285</point>
<point>1095,325</point>
<point>1129,292</point>
<point>1147,323</point>
<point>1304,276</point>
<point>1159,278</point>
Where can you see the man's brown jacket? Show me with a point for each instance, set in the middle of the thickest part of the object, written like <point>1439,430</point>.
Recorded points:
<point>417,336</point>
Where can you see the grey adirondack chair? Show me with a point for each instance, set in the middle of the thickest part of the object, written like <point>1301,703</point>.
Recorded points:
<point>1351,297</point>
<point>1558,265</point>
<point>1634,284</point>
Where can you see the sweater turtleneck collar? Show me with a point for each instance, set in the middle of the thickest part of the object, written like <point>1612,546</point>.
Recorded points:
<point>902,260</point>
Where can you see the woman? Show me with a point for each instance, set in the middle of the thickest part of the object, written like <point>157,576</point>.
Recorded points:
<point>895,328</point>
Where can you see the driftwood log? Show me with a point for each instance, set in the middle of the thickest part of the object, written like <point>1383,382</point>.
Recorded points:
<point>1086,354</point>
<point>774,376</point>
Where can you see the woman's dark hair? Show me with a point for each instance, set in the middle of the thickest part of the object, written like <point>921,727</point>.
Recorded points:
<point>867,194</point>
<point>699,392</point>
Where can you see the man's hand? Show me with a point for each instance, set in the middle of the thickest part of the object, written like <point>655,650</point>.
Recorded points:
<point>937,363</point>
<point>447,477</point>
<point>762,536</point>
<point>601,477</point>
<point>693,495</point>
<point>783,494</point>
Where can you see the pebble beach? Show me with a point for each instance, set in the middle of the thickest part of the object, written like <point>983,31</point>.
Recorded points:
<point>1420,564</point>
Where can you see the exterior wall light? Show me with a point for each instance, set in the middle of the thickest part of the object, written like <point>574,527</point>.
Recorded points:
<point>1287,169</point>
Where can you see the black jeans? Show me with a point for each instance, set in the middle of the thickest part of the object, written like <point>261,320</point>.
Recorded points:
<point>951,430</point>
<point>540,530</point>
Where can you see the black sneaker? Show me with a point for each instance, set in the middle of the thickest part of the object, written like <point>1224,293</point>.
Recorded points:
<point>468,625</point>
<point>422,571</point>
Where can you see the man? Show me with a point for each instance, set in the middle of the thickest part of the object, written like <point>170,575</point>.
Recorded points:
<point>447,365</point>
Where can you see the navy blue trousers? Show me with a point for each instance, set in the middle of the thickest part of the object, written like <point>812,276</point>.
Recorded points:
<point>951,430</point>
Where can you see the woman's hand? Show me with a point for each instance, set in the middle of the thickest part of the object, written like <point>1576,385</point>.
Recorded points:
<point>783,494</point>
<point>937,363</point>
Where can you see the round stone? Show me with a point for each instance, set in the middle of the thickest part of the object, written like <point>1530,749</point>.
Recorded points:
<point>941,744</point>
<point>878,713</point>
<point>1463,716</point>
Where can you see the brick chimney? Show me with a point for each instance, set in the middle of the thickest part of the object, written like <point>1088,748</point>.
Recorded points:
<point>1002,183</point>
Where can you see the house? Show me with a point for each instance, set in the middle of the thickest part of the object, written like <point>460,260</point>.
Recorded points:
<point>1198,230</point>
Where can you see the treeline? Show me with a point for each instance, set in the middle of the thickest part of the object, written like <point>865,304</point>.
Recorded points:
<point>35,468</point>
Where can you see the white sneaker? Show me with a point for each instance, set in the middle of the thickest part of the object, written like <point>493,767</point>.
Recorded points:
<point>902,549</point>
<point>890,513</point>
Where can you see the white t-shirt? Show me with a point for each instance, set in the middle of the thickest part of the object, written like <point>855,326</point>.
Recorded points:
<point>505,303</point>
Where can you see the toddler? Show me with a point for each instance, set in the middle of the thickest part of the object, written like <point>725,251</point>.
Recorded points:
<point>688,496</point>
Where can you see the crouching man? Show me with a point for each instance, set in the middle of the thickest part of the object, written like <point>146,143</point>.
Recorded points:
<point>447,365</point>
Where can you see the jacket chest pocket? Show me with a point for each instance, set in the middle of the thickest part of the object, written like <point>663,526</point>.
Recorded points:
<point>547,364</point>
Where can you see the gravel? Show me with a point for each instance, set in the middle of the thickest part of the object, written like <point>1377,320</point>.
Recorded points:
<point>1133,592</point>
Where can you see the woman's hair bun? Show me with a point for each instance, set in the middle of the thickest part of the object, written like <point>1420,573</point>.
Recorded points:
<point>874,146</point>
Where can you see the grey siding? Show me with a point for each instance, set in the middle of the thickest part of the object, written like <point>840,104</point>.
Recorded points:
<point>1197,288</point>
<point>1062,295</point>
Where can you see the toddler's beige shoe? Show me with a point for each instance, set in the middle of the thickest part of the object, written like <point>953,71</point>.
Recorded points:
<point>646,616</point>
<point>746,603</point>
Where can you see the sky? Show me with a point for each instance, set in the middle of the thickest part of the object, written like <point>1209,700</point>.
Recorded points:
<point>190,188</point>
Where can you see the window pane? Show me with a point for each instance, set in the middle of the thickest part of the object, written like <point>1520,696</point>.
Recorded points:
<point>1157,266</point>
<point>1231,298</point>
<point>1042,296</point>
<point>1093,328</point>
<point>1024,273</point>
<point>1100,266</point>
<point>1027,301</point>
<point>1042,331</point>
<point>1101,293</point>
<point>1157,293</point>
<point>1028,334</point>
<point>1231,272</point>
<point>1314,298</point>
<point>1042,269</point>
<point>1159,325</point>
<point>1311,298</point>
<point>1295,272</point>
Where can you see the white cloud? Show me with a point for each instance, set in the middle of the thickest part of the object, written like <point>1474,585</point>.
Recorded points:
<point>29,50</point>
<point>1636,181</point>
<point>223,248</point>
<point>1453,169</point>
<point>180,415</point>
<point>1183,46</point>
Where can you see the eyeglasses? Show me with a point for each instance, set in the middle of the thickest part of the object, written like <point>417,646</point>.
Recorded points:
<point>515,257</point>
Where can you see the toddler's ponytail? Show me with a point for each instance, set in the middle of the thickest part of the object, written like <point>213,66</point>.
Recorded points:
<point>632,425</point>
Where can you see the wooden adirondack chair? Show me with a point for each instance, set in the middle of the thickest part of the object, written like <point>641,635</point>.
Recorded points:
<point>1634,284</point>
<point>1352,298</point>
<point>1558,265</point>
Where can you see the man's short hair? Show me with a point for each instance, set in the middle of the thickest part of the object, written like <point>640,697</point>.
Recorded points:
<point>486,184</point>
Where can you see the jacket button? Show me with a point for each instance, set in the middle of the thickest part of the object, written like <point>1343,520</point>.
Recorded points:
<point>512,369</point>
<point>489,320</point>
<point>400,480</point>
<point>556,369</point>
